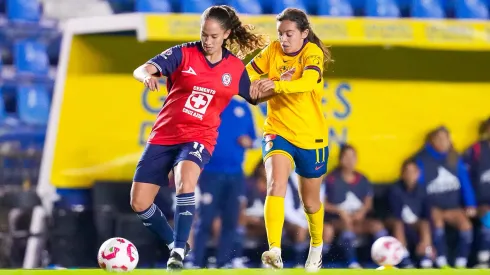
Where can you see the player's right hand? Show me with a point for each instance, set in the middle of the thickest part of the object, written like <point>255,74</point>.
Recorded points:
<point>151,83</point>
<point>288,75</point>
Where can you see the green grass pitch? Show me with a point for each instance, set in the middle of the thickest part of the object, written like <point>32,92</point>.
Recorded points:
<point>253,272</point>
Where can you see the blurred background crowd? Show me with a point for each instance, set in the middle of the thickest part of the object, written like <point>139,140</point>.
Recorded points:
<point>439,207</point>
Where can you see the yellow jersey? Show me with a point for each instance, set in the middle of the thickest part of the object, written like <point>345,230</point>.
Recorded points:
<point>295,112</point>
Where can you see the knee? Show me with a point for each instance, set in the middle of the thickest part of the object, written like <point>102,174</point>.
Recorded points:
<point>185,186</point>
<point>276,187</point>
<point>311,205</point>
<point>139,204</point>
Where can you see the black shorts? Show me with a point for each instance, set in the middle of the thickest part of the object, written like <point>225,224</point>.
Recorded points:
<point>158,160</point>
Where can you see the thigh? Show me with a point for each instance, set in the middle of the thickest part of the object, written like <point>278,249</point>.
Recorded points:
<point>189,162</point>
<point>277,145</point>
<point>278,156</point>
<point>155,164</point>
<point>311,164</point>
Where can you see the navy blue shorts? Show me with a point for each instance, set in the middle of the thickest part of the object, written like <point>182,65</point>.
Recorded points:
<point>158,160</point>
<point>309,163</point>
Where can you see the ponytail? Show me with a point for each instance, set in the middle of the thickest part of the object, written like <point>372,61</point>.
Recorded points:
<point>241,41</point>
<point>327,55</point>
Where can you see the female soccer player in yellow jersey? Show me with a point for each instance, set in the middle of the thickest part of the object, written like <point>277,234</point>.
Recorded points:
<point>295,131</point>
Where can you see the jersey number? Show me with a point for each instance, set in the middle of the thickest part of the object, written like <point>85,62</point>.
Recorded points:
<point>198,145</point>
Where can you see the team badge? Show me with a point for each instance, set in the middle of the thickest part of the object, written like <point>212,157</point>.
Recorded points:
<point>268,146</point>
<point>226,79</point>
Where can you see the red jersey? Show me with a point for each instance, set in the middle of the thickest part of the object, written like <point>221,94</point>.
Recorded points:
<point>198,92</point>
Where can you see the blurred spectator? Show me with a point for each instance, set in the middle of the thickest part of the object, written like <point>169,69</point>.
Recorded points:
<point>449,190</point>
<point>222,184</point>
<point>296,224</point>
<point>348,205</point>
<point>477,158</point>
<point>411,214</point>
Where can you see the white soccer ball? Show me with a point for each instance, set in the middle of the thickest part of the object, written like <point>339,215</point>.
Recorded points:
<point>387,251</point>
<point>118,255</point>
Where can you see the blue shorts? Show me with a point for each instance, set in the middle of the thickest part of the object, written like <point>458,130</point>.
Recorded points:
<point>158,160</point>
<point>309,163</point>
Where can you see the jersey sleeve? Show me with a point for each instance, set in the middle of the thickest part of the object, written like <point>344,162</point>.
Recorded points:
<point>244,88</point>
<point>168,61</point>
<point>259,65</point>
<point>312,74</point>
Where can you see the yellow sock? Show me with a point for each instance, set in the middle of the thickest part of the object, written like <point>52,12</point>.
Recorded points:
<point>274,220</point>
<point>315,225</point>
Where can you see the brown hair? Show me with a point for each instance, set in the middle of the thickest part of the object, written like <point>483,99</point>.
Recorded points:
<point>301,19</point>
<point>241,41</point>
<point>406,163</point>
<point>484,130</point>
<point>452,155</point>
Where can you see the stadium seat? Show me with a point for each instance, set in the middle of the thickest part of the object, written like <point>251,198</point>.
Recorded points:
<point>337,8</point>
<point>24,10</point>
<point>427,9</point>
<point>195,6</point>
<point>471,9</point>
<point>382,8</point>
<point>33,104</point>
<point>31,57</point>
<point>246,6</point>
<point>280,5</point>
<point>153,6</point>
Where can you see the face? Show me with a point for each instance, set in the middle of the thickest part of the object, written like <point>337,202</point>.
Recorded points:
<point>441,142</point>
<point>212,36</point>
<point>290,37</point>
<point>410,175</point>
<point>349,160</point>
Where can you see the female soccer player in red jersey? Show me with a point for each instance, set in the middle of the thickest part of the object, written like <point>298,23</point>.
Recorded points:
<point>202,77</point>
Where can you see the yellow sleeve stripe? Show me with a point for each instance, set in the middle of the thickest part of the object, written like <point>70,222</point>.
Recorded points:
<point>316,68</point>
<point>256,68</point>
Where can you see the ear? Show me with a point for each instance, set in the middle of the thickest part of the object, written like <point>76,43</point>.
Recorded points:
<point>227,34</point>
<point>304,34</point>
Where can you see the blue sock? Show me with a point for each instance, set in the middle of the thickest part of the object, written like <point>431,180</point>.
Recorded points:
<point>464,243</point>
<point>380,233</point>
<point>484,244</point>
<point>299,251</point>
<point>154,220</point>
<point>184,216</point>
<point>440,241</point>
<point>238,243</point>
<point>347,242</point>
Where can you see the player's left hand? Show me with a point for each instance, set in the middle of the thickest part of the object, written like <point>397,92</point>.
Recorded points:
<point>265,85</point>
<point>254,90</point>
<point>471,212</point>
<point>245,141</point>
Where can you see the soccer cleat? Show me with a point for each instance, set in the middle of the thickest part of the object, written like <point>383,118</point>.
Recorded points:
<point>314,261</point>
<point>272,258</point>
<point>175,262</point>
